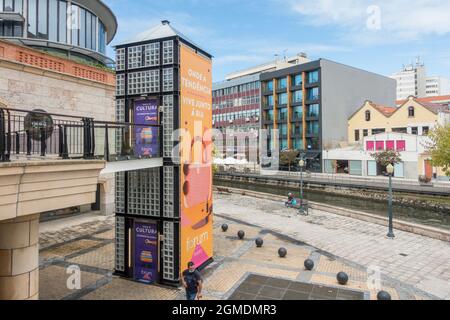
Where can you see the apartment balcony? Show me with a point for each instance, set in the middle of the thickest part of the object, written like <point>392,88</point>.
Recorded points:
<point>41,136</point>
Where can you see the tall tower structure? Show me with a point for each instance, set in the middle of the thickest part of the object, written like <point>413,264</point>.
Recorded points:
<point>164,209</point>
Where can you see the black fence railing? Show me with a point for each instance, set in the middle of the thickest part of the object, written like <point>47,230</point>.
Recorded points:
<point>37,134</point>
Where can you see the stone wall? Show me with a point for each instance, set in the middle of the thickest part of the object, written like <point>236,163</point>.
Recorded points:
<point>30,79</point>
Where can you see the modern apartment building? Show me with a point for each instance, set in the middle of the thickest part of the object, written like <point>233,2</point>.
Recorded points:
<point>236,100</point>
<point>237,104</point>
<point>310,103</point>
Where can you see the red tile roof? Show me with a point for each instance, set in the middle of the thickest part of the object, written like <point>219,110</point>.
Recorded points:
<point>387,111</point>
<point>437,100</point>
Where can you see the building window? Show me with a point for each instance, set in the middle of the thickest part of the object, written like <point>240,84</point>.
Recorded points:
<point>297,96</point>
<point>168,79</point>
<point>269,85</point>
<point>120,84</point>
<point>283,130</point>
<point>367,115</point>
<point>297,129</point>
<point>365,132</point>
<point>134,57</point>
<point>32,18</point>
<point>269,115</point>
<point>269,101</point>
<point>415,131</point>
<point>298,113</point>
<point>282,114</point>
<point>411,112</point>
<point>378,131</point>
<point>143,82</point>
<point>313,128</point>
<point>168,52</point>
<point>282,98</point>
<point>401,145</point>
<point>313,111</point>
<point>370,146</point>
<point>313,94</point>
<point>120,59</point>
<point>282,83</point>
<point>297,80</point>
<point>152,54</point>
<point>425,131</point>
<point>400,130</point>
<point>356,135</point>
<point>313,77</point>
<point>390,145</point>
<point>379,145</point>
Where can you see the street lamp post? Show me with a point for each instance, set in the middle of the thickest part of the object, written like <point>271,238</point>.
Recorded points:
<point>390,170</point>
<point>301,163</point>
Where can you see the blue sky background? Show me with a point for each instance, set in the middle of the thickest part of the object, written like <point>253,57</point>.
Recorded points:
<point>243,33</point>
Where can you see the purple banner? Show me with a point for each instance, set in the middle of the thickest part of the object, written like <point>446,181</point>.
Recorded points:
<point>147,138</point>
<point>146,252</point>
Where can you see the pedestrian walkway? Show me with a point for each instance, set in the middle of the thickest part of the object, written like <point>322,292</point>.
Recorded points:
<point>411,260</point>
<point>236,262</point>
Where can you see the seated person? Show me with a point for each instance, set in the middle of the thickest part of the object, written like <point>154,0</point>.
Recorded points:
<point>291,200</point>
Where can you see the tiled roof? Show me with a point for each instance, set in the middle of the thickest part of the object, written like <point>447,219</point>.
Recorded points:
<point>387,111</point>
<point>438,100</point>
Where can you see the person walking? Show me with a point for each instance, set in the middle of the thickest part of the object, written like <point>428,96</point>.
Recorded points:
<point>192,281</point>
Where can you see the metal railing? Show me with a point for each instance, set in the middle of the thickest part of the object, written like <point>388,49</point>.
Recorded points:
<point>37,134</point>
<point>334,179</point>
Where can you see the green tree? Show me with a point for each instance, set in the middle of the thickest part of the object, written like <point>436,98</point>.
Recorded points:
<point>387,157</point>
<point>439,147</point>
<point>288,157</point>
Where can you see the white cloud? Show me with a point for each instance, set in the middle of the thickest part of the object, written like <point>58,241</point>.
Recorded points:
<point>401,20</point>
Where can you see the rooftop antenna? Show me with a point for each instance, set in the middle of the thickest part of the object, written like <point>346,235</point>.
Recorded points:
<point>284,54</point>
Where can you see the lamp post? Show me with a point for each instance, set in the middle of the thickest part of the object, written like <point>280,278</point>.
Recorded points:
<point>301,163</point>
<point>390,171</point>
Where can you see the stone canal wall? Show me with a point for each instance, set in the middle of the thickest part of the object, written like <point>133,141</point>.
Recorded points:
<point>409,199</point>
<point>415,228</point>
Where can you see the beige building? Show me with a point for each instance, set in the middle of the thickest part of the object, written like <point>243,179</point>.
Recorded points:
<point>412,117</point>
<point>31,79</point>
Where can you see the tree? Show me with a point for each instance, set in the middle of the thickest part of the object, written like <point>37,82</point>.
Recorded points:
<point>288,158</point>
<point>387,157</point>
<point>439,147</point>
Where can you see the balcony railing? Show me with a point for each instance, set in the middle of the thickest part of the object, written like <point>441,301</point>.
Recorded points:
<point>37,134</point>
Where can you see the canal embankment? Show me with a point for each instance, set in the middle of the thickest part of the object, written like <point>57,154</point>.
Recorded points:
<point>408,195</point>
<point>407,226</point>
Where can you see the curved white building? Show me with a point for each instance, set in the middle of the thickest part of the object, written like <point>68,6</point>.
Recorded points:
<point>77,29</point>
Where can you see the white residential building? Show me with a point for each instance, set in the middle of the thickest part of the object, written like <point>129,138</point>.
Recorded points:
<point>437,86</point>
<point>411,81</point>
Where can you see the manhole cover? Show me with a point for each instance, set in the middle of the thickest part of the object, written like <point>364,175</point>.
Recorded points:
<point>256,287</point>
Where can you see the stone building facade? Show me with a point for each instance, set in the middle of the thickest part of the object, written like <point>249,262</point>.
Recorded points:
<point>31,79</point>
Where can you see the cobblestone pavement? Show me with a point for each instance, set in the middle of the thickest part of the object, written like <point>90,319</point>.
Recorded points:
<point>90,246</point>
<point>411,263</point>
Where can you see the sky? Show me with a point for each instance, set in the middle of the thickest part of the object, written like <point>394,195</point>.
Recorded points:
<point>379,36</point>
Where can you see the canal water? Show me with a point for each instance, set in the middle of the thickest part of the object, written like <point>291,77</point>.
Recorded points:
<point>421,216</point>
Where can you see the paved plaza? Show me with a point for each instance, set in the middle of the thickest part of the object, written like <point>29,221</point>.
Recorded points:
<point>412,267</point>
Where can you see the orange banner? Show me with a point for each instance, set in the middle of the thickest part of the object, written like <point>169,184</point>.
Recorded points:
<point>196,157</point>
